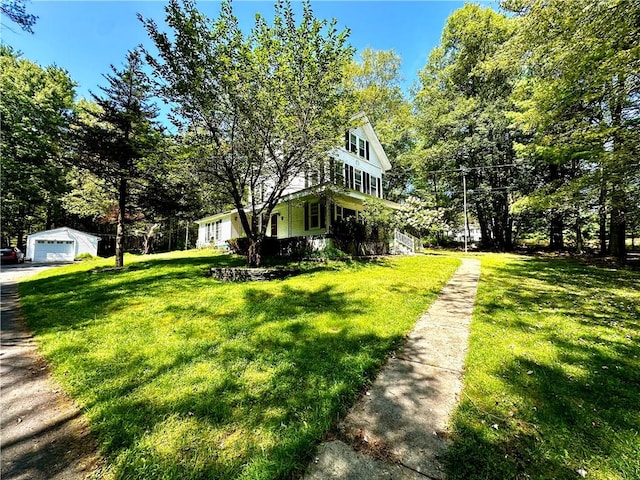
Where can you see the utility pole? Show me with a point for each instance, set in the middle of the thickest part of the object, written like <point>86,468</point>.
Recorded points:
<point>465,170</point>
<point>464,199</point>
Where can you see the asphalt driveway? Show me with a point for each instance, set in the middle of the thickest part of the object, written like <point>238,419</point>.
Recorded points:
<point>13,272</point>
<point>43,435</point>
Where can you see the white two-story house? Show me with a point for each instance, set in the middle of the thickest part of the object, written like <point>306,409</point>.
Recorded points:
<point>314,202</point>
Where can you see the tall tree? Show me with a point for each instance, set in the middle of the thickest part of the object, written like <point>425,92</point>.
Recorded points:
<point>580,97</point>
<point>462,105</point>
<point>115,138</point>
<point>258,108</point>
<point>34,116</point>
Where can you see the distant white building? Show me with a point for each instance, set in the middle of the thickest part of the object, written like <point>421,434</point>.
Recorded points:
<point>60,245</point>
<point>475,235</point>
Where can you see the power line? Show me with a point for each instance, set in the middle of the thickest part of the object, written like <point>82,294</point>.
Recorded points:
<point>465,171</point>
<point>468,169</point>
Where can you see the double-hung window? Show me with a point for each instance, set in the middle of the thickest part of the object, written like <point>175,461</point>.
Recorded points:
<point>314,215</point>
<point>358,180</point>
<point>357,145</point>
<point>374,186</point>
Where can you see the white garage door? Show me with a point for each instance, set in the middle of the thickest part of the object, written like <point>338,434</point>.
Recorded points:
<point>54,251</point>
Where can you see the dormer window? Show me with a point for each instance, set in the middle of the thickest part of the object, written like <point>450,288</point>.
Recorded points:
<point>357,145</point>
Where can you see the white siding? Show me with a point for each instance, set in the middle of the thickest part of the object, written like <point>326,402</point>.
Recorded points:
<point>291,214</point>
<point>60,244</point>
<point>215,231</point>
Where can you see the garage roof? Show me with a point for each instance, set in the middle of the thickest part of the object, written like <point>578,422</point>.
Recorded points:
<point>63,232</point>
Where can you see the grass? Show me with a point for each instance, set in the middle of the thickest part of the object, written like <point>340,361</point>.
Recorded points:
<point>181,376</point>
<point>552,387</point>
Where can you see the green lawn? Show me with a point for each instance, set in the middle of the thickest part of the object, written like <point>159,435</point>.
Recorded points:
<point>183,377</point>
<point>553,374</point>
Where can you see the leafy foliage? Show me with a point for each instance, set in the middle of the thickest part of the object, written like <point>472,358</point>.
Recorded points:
<point>257,109</point>
<point>579,98</point>
<point>462,122</point>
<point>16,11</point>
<point>423,218</point>
<point>34,117</point>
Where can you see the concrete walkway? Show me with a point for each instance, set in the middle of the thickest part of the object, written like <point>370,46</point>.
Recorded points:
<point>399,428</point>
<point>43,436</point>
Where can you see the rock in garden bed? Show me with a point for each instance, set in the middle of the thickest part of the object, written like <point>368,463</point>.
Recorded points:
<point>244,274</point>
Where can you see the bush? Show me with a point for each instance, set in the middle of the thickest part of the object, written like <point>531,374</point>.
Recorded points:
<point>295,247</point>
<point>329,253</point>
<point>84,256</point>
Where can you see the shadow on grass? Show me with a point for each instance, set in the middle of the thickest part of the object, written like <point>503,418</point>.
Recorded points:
<point>256,364</point>
<point>569,395</point>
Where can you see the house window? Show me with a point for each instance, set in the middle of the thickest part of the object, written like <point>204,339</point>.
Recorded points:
<point>218,227</point>
<point>316,175</point>
<point>348,176</point>
<point>357,145</point>
<point>336,171</point>
<point>343,213</point>
<point>353,143</point>
<point>314,215</point>
<point>374,186</point>
<point>358,180</point>
<point>347,213</point>
<point>274,225</point>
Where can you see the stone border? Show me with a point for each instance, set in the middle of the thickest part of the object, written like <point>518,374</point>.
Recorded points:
<point>244,274</point>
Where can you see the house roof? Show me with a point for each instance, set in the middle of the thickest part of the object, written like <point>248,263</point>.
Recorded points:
<point>68,232</point>
<point>345,192</point>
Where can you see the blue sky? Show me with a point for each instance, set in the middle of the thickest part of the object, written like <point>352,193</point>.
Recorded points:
<point>86,37</point>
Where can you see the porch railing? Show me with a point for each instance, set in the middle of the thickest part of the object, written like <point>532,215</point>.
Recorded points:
<point>406,244</point>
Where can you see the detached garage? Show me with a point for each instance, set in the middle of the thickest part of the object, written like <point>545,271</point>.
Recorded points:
<point>60,245</point>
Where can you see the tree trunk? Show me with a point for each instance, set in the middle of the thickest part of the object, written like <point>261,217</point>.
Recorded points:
<point>122,204</point>
<point>618,226</point>
<point>556,232</point>
<point>48,221</point>
<point>485,235</point>
<point>617,235</point>
<point>578,227</point>
<point>148,238</point>
<point>20,239</point>
<point>602,214</point>
<point>254,254</point>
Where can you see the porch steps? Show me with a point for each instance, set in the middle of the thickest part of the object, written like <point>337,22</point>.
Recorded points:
<point>406,244</point>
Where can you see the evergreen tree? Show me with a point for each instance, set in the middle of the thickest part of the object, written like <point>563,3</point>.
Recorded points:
<point>115,140</point>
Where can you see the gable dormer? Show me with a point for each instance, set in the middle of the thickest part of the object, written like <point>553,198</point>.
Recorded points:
<point>358,164</point>
<point>363,144</point>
